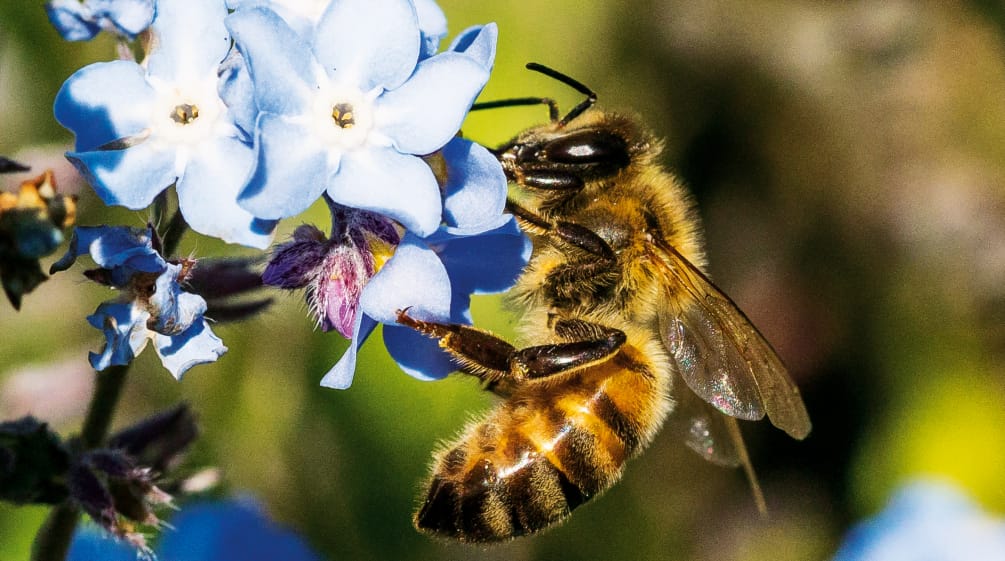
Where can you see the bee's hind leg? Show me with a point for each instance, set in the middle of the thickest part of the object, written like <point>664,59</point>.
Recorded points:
<point>502,366</point>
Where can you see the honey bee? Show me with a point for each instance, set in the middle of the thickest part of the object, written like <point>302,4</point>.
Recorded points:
<point>626,329</point>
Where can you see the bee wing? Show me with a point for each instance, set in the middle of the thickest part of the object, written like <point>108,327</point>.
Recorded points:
<point>720,354</point>
<point>701,427</point>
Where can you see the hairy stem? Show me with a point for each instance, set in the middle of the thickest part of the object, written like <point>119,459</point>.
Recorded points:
<point>53,540</point>
<point>172,235</point>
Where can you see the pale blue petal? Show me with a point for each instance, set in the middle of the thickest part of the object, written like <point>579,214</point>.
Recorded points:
<point>191,40</point>
<point>105,101</point>
<point>479,43</point>
<point>130,177</point>
<point>419,356</point>
<point>123,250</point>
<point>129,17</point>
<point>291,171</point>
<point>197,345</point>
<point>340,376</point>
<point>414,278</point>
<point>238,93</point>
<point>74,21</point>
<point>426,112</point>
<point>475,194</point>
<point>124,326</point>
<point>432,26</point>
<point>384,181</point>
<point>368,43</point>
<point>301,17</point>
<point>207,194</point>
<point>283,70</point>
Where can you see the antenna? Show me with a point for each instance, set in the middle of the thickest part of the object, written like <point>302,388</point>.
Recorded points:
<point>576,111</point>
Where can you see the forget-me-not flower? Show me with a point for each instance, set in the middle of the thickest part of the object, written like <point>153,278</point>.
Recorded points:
<point>365,271</point>
<point>81,21</point>
<point>141,128</point>
<point>153,306</point>
<point>349,112</point>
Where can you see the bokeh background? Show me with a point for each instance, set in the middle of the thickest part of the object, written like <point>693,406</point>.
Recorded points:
<point>849,163</point>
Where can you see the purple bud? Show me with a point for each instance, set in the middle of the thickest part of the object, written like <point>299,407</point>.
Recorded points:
<point>295,264</point>
<point>159,440</point>
<point>334,298</point>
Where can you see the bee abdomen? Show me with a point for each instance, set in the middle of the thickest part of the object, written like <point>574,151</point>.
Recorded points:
<point>499,484</point>
<point>484,507</point>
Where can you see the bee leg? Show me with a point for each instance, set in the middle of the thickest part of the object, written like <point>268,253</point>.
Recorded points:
<point>569,232</point>
<point>479,352</point>
<point>500,365</point>
<point>542,361</point>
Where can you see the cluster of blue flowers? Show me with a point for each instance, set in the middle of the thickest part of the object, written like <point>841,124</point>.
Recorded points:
<point>255,109</point>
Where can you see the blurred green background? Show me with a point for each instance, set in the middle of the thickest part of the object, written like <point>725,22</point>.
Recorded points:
<point>849,163</point>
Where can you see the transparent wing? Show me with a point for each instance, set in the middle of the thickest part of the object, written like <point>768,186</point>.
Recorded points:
<point>701,426</point>
<point>719,354</point>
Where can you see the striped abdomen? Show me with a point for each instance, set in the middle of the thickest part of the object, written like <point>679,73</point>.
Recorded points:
<point>542,453</point>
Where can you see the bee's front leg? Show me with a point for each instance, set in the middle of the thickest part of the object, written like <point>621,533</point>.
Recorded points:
<point>497,363</point>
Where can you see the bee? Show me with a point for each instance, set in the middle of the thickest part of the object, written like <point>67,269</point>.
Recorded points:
<point>625,329</point>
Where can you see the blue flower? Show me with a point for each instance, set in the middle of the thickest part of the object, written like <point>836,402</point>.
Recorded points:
<point>349,112</point>
<point>366,271</point>
<point>927,520</point>
<point>434,279</point>
<point>81,21</point>
<point>140,129</point>
<point>153,306</point>
<point>234,530</point>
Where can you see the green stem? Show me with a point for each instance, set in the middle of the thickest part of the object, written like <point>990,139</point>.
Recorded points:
<point>53,539</point>
<point>172,235</point>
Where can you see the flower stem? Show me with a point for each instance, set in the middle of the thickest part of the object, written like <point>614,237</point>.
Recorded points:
<point>53,540</point>
<point>172,235</point>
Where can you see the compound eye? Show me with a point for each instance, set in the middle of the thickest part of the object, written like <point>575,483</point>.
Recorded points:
<point>589,147</point>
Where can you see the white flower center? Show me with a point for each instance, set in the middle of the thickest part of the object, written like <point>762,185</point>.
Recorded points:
<point>343,117</point>
<point>186,113</point>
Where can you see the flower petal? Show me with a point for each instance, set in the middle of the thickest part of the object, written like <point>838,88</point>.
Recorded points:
<point>196,345</point>
<point>105,101</point>
<point>130,177</point>
<point>282,67</point>
<point>113,247</point>
<point>384,181</point>
<point>73,20</point>
<point>427,110</point>
<point>229,531</point>
<point>368,43</point>
<point>125,331</point>
<point>413,278</point>
<point>340,376</point>
<point>92,543</point>
<point>479,43</point>
<point>419,356</point>
<point>190,40</point>
<point>432,26</point>
<point>172,310</point>
<point>486,263</point>
<point>207,194</point>
<point>238,93</point>
<point>290,173</point>
<point>129,17</point>
<point>475,194</point>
